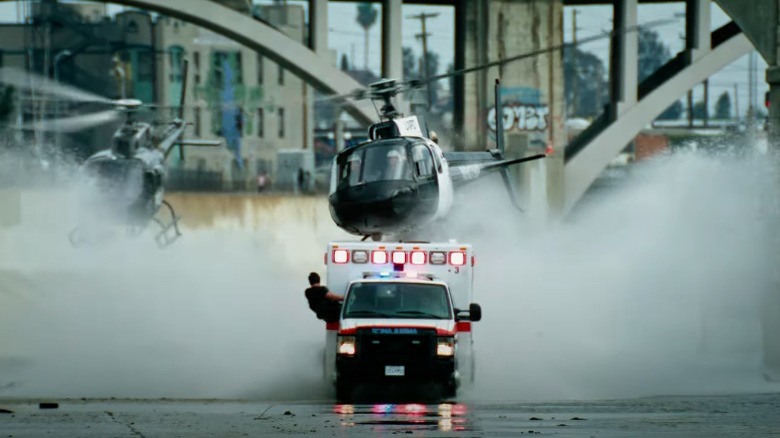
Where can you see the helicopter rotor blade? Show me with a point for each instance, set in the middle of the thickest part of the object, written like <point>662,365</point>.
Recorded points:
<point>32,82</point>
<point>413,84</point>
<point>75,123</point>
<point>543,51</point>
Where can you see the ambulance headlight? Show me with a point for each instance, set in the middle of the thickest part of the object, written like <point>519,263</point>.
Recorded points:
<point>445,347</point>
<point>346,345</point>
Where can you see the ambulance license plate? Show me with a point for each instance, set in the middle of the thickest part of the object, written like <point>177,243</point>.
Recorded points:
<point>394,370</point>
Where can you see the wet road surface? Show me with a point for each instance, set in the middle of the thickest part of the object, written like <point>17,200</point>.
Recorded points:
<point>704,416</point>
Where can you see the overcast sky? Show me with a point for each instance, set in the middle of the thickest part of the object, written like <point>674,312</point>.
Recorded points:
<point>347,37</point>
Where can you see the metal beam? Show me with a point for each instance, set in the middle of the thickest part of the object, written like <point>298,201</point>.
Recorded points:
<point>623,69</point>
<point>698,37</point>
<point>586,166</point>
<point>313,69</point>
<point>392,51</point>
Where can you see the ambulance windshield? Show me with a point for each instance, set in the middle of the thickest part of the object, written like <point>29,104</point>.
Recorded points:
<point>397,300</point>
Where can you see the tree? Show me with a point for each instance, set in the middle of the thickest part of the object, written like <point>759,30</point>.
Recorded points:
<point>652,53</point>
<point>700,110</point>
<point>723,106</point>
<point>433,67</point>
<point>366,17</point>
<point>410,65</point>
<point>674,111</point>
<point>585,82</point>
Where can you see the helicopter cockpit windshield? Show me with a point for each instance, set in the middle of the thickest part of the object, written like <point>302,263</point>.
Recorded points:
<point>382,161</point>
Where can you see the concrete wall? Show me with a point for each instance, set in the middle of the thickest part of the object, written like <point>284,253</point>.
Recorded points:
<point>532,90</point>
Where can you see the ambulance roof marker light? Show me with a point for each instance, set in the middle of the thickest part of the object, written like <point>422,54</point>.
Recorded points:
<point>379,257</point>
<point>399,257</point>
<point>340,256</point>
<point>457,258</point>
<point>417,257</point>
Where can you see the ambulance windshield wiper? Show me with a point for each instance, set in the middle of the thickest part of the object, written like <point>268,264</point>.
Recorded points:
<point>366,313</point>
<point>419,313</point>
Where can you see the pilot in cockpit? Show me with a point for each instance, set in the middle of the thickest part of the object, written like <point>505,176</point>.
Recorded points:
<point>394,165</point>
<point>354,169</point>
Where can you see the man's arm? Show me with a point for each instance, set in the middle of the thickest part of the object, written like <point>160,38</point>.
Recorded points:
<point>333,297</point>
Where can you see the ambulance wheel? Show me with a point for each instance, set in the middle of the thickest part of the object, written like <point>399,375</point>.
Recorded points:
<point>344,391</point>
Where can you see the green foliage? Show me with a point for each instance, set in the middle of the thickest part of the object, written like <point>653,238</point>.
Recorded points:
<point>723,106</point>
<point>700,110</point>
<point>674,111</point>
<point>366,15</point>
<point>409,63</point>
<point>652,53</point>
<point>585,82</point>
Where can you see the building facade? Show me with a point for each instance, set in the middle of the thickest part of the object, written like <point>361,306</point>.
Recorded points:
<point>254,105</point>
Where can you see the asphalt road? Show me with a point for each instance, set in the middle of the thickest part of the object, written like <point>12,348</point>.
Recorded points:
<point>752,415</point>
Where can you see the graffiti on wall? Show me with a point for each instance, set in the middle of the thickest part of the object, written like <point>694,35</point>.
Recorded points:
<point>522,110</point>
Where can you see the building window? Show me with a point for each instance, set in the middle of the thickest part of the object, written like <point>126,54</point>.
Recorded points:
<point>196,66</point>
<point>260,122</point>
<point>259,69</point>
<point>281,122</point>
<point>132,27</point>
<point>281,75</point>
<point>197,121</point>
<point>176,56</point>
<point>238,78</point>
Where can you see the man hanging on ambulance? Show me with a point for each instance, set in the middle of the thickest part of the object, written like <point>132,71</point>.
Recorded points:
<point>324,303</point>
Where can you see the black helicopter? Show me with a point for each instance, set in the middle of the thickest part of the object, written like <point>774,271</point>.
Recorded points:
<point>126,181</point>
<point>401,179</point>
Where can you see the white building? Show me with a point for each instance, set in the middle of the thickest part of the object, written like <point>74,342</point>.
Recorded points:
<point>276,106</point>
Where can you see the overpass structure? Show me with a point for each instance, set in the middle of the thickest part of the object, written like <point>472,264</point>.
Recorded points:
<point>632,105</point>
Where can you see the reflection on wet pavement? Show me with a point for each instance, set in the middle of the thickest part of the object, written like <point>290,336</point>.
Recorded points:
<point>444,417</point>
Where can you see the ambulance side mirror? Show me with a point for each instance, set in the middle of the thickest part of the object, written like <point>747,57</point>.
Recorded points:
<point>474,313</point>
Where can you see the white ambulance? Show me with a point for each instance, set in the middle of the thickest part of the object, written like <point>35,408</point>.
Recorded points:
<point>406,316</point>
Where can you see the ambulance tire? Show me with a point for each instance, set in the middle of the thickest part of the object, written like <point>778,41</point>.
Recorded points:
<point>344,391</point>
<point>449,390</point>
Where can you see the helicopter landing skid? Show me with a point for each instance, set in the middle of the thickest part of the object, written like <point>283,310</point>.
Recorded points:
<point>165,237</point>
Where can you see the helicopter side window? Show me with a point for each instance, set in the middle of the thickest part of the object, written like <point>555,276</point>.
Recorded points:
<point>423,162</point>
<point>351,168</point>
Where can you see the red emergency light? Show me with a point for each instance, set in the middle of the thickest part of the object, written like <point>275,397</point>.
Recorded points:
<point>340,256</point>
<point>379,257</point>
<point>457,258</point>
<point>399,257</point>
<point>418,257</point>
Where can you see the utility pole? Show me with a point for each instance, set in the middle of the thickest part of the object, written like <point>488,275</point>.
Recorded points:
<point>751,87</point>
<point>706,102</point>
<point>736,102</point>
<point>690,108</point>
<point>575,58</point>
<point>424,37</point>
